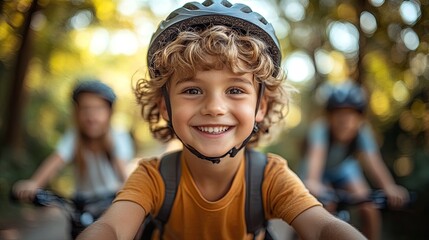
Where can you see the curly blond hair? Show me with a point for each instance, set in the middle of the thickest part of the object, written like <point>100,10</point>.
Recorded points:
<point>215,47</point>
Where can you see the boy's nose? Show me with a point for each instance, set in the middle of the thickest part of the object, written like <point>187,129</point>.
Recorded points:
<point>214,105</point>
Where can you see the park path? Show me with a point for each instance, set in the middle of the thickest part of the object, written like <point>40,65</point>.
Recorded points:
<point>47,223</point>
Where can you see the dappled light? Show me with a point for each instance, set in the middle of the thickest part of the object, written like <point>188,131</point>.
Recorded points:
<point>410,12</point>
<point>379,104</point>
<point>81,19</point>
<point>294,10</point>
<point>368,23</point>
<point>407,121</point>
<point>299,67</point>
<point>344,37</point>
<point>410,39</point>
<point>403,166</point>
<point>400,92</point>
<point>119,38</point>
<point>376,3</point>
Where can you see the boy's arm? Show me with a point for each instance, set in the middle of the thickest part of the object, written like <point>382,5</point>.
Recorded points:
<point>378,172</point>
<point>317,223</point>
<point>120,168</point>
<point>121,221</point>
<point>376,169</point>
<point>316,164</point>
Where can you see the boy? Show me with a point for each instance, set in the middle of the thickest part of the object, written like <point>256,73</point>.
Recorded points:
<point>334,142</point>
<point>215,79</point>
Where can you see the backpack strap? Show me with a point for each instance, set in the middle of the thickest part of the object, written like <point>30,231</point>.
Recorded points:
<point>254,208</point>
<point>170,170</point>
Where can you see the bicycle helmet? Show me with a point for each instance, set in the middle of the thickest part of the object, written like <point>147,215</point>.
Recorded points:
<point>203,15</point>
<point>214,12</point>
<point>94,86</point>
<point>346,95</point>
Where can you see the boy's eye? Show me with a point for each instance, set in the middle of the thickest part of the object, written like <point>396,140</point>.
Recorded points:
<point>235,91</point>
<point>192,91</point>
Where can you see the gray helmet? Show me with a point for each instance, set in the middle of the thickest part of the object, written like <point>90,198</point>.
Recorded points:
<point>94,86</point>
<point>214,12</point>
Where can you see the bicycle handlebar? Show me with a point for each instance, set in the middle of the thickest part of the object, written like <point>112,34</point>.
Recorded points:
<point>378,197</point>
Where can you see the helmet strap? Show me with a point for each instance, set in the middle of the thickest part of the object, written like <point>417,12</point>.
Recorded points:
<point>233,151</point>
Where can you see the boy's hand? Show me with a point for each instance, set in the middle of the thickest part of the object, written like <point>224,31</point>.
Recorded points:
<point>397,196</point>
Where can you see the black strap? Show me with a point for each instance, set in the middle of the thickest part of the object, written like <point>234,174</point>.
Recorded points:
<point>170,170</point>
<point>254,208</point>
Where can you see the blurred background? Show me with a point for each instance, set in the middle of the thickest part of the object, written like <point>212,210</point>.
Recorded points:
<point>45,45</point>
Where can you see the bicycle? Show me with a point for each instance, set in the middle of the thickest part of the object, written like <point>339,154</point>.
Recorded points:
<point>343,201</point>
<point>81,212</point>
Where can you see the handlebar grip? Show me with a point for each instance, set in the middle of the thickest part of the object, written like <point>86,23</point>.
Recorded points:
<point>45,198</point>
<point>41,198</point>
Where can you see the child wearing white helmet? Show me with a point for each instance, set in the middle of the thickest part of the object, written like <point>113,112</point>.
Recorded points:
<point>97,151</point>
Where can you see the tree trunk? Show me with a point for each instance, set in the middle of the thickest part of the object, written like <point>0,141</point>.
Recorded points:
<point>13,140</point>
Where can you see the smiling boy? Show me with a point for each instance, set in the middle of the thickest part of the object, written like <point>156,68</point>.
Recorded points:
<point>217,86</point>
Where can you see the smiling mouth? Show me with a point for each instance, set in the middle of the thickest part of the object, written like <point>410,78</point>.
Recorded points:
<point>214,130</point>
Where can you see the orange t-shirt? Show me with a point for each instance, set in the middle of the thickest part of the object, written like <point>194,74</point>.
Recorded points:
<point>193,217</point>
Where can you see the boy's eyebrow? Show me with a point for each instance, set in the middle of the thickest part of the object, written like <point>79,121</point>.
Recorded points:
<point>183,80</point>
<point>243,80</point>
<point>234,79</point>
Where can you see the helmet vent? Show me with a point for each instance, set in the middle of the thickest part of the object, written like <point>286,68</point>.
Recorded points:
<point>207,3</point>
<point>171,16</point>
<point>246,9</point>
<point>226,4</point>
<point>263,20</point>
<point>190,6</point>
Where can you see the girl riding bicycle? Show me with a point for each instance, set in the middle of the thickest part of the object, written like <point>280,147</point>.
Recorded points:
<point>97,151</point>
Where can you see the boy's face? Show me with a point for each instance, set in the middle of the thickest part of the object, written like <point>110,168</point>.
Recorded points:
<point>215,110</point>
<point>345,123</point>
<point>93,115</point>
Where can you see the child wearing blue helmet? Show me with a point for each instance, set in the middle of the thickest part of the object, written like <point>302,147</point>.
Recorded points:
<point>216,85</point>
<point>339,143</point>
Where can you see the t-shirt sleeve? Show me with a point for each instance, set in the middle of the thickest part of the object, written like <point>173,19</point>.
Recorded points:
<point>365,140</point>
<point>144,187</point>
<point>66,146</point>
<point>318,133</point>
<point>285,196</point>
<point>123,145</point>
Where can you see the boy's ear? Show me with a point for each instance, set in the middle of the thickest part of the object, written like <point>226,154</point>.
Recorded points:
<point>163,109</point>
<point>262,110</point>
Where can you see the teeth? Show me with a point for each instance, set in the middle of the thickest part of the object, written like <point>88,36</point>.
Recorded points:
<point>216,130</point>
